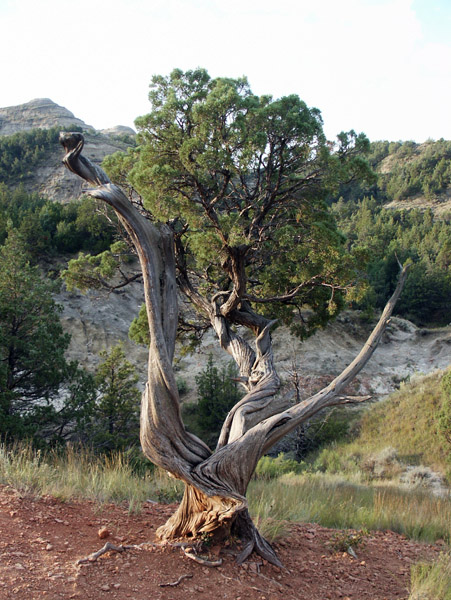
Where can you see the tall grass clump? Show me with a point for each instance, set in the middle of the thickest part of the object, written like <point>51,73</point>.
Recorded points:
<point>77,473</point>
<point>333,502</point>
<point>432,581</point>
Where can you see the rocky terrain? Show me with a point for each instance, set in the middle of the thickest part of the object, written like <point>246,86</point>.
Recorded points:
<point>97,320</point>
<point>41,113</point>
<point>43,540</point>
<point>51,179</point>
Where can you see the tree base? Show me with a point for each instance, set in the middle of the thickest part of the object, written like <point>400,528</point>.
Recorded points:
<point>216,519</point>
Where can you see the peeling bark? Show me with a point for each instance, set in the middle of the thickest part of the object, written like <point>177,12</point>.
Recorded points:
<point>214,502</point>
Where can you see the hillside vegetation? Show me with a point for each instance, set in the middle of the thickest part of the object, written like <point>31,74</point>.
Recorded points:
<point>377,238</point>
<point>405,429</point>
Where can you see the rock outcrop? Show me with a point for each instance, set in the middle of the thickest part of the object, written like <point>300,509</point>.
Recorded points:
<point>41,113</point>
<point>51,179</point>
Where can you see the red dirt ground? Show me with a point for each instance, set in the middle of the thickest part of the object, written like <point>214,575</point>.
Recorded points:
<point>41,540</point>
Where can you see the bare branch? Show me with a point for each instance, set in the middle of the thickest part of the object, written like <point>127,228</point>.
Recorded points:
<point>280,425</point>
<point>177,582</point>
<point>199,559</point>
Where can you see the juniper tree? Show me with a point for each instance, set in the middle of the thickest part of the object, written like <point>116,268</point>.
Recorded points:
<point>230,210</point>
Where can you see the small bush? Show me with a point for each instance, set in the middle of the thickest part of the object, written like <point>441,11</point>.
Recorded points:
<point>382,465</point>
<point>182,386</point>
<point>348,541</point>
<point>269,468</point>
<point>331,460</point>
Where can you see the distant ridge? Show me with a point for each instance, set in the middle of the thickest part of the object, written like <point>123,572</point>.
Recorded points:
<point>50,178</point>
<point>40,113</point>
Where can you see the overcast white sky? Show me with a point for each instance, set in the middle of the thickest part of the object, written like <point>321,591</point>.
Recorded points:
<point>378,66</point>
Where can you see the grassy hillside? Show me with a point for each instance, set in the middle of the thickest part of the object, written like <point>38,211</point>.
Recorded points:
<point>402,430</point>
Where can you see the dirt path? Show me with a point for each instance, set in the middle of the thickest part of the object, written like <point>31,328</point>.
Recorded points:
<point>42,539</point>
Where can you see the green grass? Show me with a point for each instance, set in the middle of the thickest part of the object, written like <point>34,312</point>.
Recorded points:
<point>406,424</point>
<point>432,581</point>
<point>334,502</point>
<point>79,474</point>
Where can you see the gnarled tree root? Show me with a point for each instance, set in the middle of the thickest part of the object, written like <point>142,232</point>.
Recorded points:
<point>244,528</point>
<point>200,516</point>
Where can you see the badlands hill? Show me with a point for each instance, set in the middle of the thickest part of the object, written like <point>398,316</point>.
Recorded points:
<point>50,178</point>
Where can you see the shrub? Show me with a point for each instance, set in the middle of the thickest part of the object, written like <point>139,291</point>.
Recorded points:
<point>268,467</point>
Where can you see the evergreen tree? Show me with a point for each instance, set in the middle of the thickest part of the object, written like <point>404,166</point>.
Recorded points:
<point>33,368</point>
<point>218,392</point>
<point>114,422</point>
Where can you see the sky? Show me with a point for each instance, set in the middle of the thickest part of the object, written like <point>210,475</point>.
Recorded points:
<point>382,67</point>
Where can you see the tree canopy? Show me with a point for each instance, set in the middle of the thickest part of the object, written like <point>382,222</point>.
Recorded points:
<point>33,368</point>
<point>242,181</point>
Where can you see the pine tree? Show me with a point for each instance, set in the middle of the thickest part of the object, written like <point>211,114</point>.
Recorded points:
<point>115,417</point>
<point>32,342</point>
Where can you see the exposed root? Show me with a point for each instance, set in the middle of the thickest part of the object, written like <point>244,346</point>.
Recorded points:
<point>175,583</point>
<point>198,515</point>
<point>202,561</point>
<point>109,547</point>
<point>254,542</point>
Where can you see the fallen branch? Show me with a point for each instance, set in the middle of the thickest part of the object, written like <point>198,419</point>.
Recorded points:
<point>109,547</point>
<point>174,583</point>
<point>202,561</point>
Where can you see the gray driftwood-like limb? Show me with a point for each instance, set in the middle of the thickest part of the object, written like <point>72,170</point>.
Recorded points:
<point>108,547</point>
<point>175,583</point>
<point>216,483</point>
<point>199,559</point>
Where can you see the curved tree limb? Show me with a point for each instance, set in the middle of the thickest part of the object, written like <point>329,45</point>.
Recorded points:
<point>163,436</point>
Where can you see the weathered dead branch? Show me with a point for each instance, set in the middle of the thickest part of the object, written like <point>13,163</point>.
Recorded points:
<point>200,559</point>
<point>175,583</point>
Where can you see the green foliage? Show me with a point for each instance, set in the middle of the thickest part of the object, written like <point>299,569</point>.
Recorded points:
<point>269,467</point>
<point>432,581</point>
<point>49,227</point>
<point>114,417</point>
<point>218,393</point>
<point>406,170</point>
<point>139,328</point>
<point>182,386</point>
<point>237,177</point>
<point>348,541</point>
<point>418,170</point>
<point>379,238</point>
<point>93,272</point>
<point>21,153</point>
<point>33,369</point>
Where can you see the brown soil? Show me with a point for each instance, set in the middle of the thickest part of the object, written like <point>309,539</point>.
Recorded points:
<point>42,539</point>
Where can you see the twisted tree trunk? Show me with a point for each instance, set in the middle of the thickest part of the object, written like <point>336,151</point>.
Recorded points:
<point>214,501</point>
